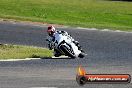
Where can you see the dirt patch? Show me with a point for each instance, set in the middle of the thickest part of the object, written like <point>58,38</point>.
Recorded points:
<point>30,22</point>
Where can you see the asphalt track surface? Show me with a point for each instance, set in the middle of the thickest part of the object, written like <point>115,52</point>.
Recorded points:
<point>108,52</point>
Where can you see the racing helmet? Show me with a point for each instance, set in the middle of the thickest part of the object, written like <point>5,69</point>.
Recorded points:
<point>51,30</point>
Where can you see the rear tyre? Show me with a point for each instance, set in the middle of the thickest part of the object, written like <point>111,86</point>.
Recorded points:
<point>67,51</point>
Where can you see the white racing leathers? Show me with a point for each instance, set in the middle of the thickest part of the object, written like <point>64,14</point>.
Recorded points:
<point>57,40</point>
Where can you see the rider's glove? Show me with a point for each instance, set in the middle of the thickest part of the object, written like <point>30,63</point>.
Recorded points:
<point>50,43</point>
<point>50,46</point>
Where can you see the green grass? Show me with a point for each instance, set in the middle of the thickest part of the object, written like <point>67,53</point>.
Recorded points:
<point>21,52</point>
<point>84,13</point>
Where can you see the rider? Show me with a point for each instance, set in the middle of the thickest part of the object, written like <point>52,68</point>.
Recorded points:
<point>51,32</point>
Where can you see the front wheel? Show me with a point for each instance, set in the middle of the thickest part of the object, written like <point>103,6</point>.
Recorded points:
<point>81,55</point>
<point>67,51</point>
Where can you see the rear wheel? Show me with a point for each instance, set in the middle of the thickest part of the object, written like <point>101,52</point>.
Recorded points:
<point>67,51</point>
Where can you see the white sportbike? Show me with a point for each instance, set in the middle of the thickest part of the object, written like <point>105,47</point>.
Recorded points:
<point>65,46</point>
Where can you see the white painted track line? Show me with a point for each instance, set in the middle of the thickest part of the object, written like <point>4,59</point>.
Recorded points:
<point>31,58</point>
<point>20,59</point>
<point>43,87</point>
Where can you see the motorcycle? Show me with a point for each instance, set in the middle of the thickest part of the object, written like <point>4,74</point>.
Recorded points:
<point>65,46</point>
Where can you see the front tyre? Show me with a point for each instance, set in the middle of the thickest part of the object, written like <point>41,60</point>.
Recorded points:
<point>81,55</point>
<point>67,51</point>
